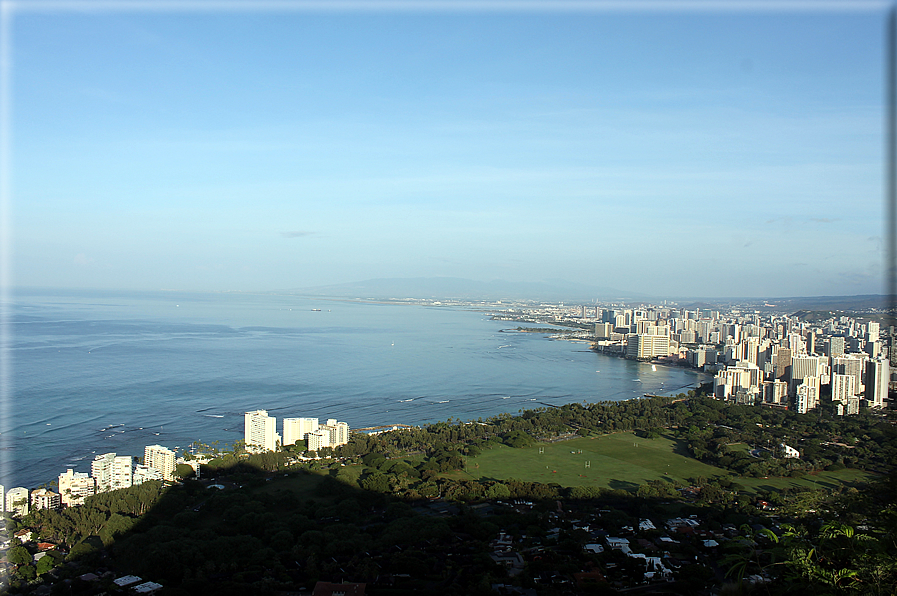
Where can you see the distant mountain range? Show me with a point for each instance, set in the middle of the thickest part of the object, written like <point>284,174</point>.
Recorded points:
<point>456,288</point>
<point>558,290</point>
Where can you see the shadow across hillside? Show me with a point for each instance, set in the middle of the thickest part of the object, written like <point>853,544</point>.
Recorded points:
<point>252,531</point>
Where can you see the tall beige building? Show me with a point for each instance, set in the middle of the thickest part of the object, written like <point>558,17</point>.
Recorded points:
<point>160,459</point>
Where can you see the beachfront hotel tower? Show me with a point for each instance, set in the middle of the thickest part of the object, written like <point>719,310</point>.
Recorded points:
<point>260,432</point>
<point>297,429</point>
<point>160,459</point>
<point>111,471</point>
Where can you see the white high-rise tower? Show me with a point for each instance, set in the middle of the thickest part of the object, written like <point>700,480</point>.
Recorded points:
<point>260,431</point>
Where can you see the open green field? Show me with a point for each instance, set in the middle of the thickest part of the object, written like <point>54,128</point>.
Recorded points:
<point>826,480</point>
<point>622,460</point>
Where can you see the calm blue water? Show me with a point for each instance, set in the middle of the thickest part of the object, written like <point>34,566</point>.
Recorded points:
<point>173,367</point>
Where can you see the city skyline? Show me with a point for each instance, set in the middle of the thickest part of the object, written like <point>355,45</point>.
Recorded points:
<point>677,152</point>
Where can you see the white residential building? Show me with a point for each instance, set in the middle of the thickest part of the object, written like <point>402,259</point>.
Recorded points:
<point>295,429</point>
<point>17,501</point>
<point>143,473</point>
<point>338,432</point>
<point>744,377</point>
<point>112,471</point>
<point>318,439</point>
<point>790,452</point>
<point>160,459</point>
<point>43,498</point>
<point>850,364</point>
<point>843,387</point>
<point>74,487</point>
<point>807,395</point>
<point>260,431</point>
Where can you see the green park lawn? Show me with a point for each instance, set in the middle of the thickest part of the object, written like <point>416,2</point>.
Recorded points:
<point>620,460</point>
<point>826,480</point>
<point>623,460</point>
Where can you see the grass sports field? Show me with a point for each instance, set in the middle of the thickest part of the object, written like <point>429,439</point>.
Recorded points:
<point>620,460</point>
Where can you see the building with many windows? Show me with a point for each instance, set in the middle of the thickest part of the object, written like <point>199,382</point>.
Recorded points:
<point>112,471</point>
<point>806,396</point>
<point>143,473</point>
<point>160,459</point>
<point>260,431</point>
<point>843,388</point>
<point>878,374</point>
<point>17,501</point>
<point>338,432</point>
<point>332,434</point>
<point>647,346</point>
<point>296,429</point>
<point>75,486</point>
<point>43,498</point>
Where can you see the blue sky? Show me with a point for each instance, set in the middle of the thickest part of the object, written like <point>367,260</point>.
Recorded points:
<point>677,153</point>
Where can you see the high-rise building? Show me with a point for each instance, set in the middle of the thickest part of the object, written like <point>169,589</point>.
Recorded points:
<point>338,432</point>
<point>878,375</point>
<point>843,388</point>
<point>160,459</point>
<point>853,365</point>
<point>783,365</point>
<point>744,378</point>
<point>74,487</point>
<point>317,439</point>
<point>806,396</point>
<point>332,434</point>
<point>872,331</point>
<point>803,366</point>
<point>775,393</point>
<point>261,431</point>
<point>833,347</point>
<point>295,429</point>
<point>112,471</point>
<point>644,346</point>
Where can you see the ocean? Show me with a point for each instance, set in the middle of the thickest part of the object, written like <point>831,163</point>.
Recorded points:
<point>98,372</point>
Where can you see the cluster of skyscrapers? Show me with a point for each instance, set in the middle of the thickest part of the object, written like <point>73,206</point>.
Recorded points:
<point>261,432</point>
<point>774,360</point>
<point>108,471</point>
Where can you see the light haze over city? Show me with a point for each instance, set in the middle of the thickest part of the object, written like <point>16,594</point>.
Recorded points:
<point>675,152</point>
